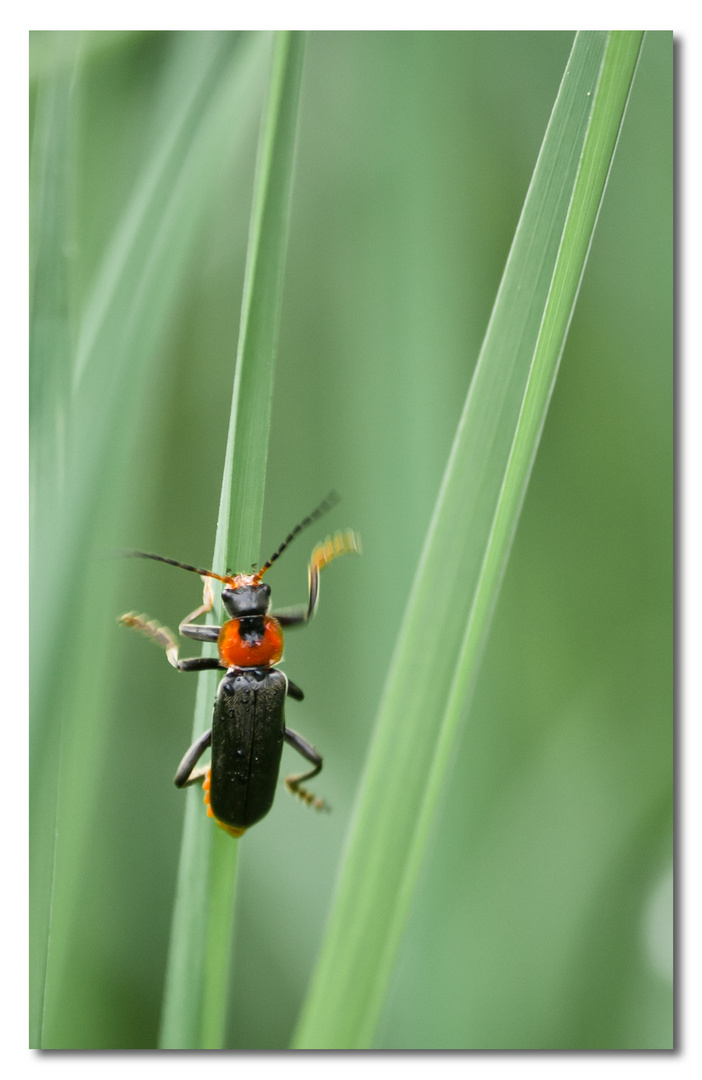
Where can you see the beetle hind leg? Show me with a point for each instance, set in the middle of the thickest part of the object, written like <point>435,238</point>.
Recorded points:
<point>294,786</point>
<point>187,774</point>
<point>294,783</point>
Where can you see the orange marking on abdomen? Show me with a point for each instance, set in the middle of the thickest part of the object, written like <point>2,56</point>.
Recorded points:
<point>231,829</point>
<point>234,651</point>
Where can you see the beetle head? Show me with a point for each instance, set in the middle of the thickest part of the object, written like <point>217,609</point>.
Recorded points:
<point>246,596</point>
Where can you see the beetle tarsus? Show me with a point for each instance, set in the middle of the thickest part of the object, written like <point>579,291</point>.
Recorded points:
<point>166,639</point>
<point>293,785</point>
<point>160,635</point>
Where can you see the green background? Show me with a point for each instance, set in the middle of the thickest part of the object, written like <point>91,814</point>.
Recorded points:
<point>543,918</point>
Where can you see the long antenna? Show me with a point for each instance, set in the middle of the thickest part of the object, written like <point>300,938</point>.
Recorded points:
<point>183,566</point>
<point>331,500</point>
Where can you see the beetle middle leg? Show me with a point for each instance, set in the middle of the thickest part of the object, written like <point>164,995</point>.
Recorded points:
<point>294,691</point>
<point>164,637</point>
<point>294,783</point>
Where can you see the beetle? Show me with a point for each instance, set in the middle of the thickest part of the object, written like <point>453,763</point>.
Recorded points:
<point>248,722</point>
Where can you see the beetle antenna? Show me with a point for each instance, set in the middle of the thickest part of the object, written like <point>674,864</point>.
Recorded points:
<point>331,500</point>
<point>183,566</point>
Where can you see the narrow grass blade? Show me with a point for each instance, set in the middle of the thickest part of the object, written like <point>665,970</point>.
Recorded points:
<point>49,383</point>
<point>196,985</point>
<point>444,629</point>
<point>76,460</point>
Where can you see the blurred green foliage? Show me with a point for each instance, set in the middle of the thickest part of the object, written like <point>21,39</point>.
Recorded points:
<point>543,918</point>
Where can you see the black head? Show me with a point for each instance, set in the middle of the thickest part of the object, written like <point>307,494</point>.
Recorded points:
<point>246,599</point>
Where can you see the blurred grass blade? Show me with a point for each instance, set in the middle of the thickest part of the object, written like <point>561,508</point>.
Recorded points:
<point>49,381</point>
<point>78,461</point>
<point>54,52</point>
<point>194,1012</point>
<point>444,629</point>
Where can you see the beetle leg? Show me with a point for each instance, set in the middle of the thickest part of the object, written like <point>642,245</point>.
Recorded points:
<point>164,637</point>
<point>185,774</point>
<point>200,633</point>
<point>293,783</point>
<point>294,691</point>
<point>340,544</point>
<point>200,663</point>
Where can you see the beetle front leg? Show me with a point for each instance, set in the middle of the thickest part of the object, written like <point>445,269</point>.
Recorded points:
<point>293,783</point>
<point>200,632</point>
<point>323,554</point>
<point>166,639</point>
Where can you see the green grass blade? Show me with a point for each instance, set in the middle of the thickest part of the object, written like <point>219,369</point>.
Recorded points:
<point>117,335</point>
<point>54,52</point>
<point>436,660</point>
<point>49,383</point>
<point>195,999</point>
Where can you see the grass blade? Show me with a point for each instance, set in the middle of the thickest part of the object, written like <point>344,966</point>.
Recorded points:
<point>117,334</point>
<point>195,998</point>
<point>433,674</point>
<point>49,382</point>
